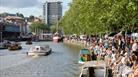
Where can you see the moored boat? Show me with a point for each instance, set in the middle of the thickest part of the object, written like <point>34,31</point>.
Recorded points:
<point>2,46</point>
<point>39,50</point>
<point>5,44</point>
<point>94,69</point>
<point>29,43</point>
<point>84,56</point>
<point>14,46</point>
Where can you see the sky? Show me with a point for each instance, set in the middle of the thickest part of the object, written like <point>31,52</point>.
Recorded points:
<point>27,7</point>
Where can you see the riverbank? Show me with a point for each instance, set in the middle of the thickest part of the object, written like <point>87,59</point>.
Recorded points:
<point>82,44</point>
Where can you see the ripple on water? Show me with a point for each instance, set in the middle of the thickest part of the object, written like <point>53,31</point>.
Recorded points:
<point>61,63</point>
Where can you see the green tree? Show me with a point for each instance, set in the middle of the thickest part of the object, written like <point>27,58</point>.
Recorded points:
<point>100,16</point>
<point>20,15</point>
<point>31,18</point>
<point>53,28</point>
<point>39,27</point>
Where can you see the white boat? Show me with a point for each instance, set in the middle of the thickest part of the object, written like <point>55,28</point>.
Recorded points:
<point>94,69</point>
<point>39,51</point>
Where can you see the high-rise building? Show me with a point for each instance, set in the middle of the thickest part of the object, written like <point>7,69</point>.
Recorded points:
<point>52,12</point>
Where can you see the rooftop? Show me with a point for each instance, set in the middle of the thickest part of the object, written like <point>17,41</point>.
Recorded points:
<point>14,17</point>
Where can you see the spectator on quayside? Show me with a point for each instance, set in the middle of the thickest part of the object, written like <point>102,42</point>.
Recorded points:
<point>135,46</point>
<point>113,58</point>
<point>134,74</point>
<point>93,56</point>
<point>106,43</point>
<point>123,44</point>
<point>127,64</point>
<point>134,66</point>
<point>100,40</point>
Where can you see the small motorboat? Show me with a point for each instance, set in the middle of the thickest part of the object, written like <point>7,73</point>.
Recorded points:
<point>39,51</point>
<point>15,46</point>
<point>84,56</point>
<point>29,43</point>
<point>94,69</point>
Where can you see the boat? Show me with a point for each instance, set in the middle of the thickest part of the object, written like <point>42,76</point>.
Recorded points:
<point>2,46</point>
<point>84,56</point>
<point>29,42</point>
<point>39,51</point>
<point>56,38</point>
<point>94,69</point>
<point>15,46</point>
<point>5,44</point>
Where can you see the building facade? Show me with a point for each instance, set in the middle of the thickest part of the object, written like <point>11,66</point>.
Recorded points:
<point>52,12</point>
<point>9,31</point>
<point>19,22</point>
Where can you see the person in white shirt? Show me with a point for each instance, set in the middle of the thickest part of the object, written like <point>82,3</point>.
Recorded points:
<point>135,46</point>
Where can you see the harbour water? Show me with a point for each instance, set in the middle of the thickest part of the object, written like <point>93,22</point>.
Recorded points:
<point>63,62</point>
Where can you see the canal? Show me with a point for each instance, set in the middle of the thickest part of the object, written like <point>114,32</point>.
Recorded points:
<point>63,62</point>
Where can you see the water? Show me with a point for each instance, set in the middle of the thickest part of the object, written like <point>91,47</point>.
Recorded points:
<point>63,62</point>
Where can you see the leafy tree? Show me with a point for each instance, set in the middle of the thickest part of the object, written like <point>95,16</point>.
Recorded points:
<point>31,18</point>
<point>53,28</point>
<point>100,16</point>
<point>20,15</point>
<point>39,27</point>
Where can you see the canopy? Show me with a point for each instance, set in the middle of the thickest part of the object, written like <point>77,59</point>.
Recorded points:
<point>84,51</point>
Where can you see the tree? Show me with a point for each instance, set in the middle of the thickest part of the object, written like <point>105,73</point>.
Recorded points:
<point>31,18</point>
<point>20,15</point>
<point>53,28</point>
<point>39,27</point>
<point>100,16</point>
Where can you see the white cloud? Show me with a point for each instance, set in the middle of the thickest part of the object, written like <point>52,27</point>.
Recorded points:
<point>27,7</point>
<point>18,3</point>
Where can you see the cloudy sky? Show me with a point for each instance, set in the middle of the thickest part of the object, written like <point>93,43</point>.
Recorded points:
<point>27,7</point>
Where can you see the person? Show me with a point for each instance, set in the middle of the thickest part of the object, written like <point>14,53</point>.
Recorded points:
<point>134,67</point>
<point>135,46</point>
<point>93,56</point>
<point>82,57</point>
<point>113,58</point>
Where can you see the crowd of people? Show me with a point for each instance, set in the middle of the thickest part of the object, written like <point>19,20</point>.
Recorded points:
<point>120,52</point>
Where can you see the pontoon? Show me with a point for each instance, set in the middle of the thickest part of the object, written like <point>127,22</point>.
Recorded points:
<point>94,69</point>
